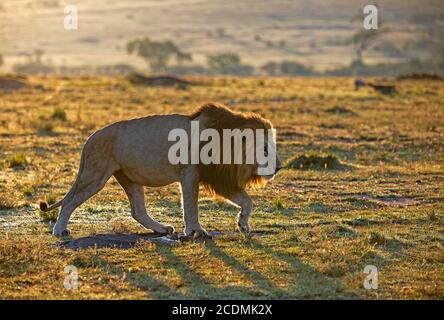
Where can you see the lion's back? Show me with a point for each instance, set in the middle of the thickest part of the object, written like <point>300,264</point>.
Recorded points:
<point>141,147</point>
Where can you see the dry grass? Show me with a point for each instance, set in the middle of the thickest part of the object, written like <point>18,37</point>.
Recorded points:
<point>319,228</point>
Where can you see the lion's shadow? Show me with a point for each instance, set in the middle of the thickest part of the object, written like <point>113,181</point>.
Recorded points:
<point>117,240</point>
<point>303,280</point>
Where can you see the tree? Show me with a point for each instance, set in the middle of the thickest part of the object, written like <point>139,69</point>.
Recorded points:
<point>271,68</point>
<point>228,64</point>
<point>157,54</point>
<point>293,68</point>
<point>362,40</point>
<point>430,43</point>
<point>287,68</point>
<point>38,54</point>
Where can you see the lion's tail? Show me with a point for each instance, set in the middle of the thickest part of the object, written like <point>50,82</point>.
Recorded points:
<point>44,206</point>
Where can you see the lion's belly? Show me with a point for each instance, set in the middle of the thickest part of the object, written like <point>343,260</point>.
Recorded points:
<point>142,149</point>
<point>152,177</point>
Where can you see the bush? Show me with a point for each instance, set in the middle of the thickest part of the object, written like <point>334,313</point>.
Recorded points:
<point>278,203</point>
<point>49,216</point>
<point>59,114</point>
<point>376,238</point>
<point>16,160</point>
<point>313,162</point>
<point>287,68</point>
<point>5,202</point>
<point>294,68</point>
<point>46,127</point>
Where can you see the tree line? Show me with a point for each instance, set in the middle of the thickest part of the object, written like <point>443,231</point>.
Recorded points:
<point>165,56</point>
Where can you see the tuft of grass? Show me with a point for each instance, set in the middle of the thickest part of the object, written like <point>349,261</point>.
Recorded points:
<point>278,203</point>
<point>59,114</point>
<point>341,231</point>
<point>49,216</point>
<point>432,216</point>
<point>28,191</point>
<point>376,238</point>
<point>51,199</point>
<point>52,215</point>
<point>46,127</point>
<point>318,207</point>
<point>314,162</point>
<point>16,160</point>
<point>5,202</point>
<point>120,226</point>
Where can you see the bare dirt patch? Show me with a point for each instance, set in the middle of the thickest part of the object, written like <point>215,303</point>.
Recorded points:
<point>389,200</point>
<point>7,84</point>
<point>157,81</point>
<point>392,200</point>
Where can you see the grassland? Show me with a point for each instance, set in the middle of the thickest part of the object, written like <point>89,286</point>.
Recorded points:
<point>316,229</point>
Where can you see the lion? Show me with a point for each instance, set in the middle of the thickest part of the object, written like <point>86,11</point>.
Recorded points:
<point>135,152</point>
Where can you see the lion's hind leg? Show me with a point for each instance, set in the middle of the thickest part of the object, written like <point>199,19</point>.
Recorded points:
<point>137,201</point>
<point>90,180</point>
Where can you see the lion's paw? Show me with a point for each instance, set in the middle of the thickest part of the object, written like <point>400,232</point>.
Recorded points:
<point>61,233</point>
<point>166,230</point>
<point>243,228</point>
<point>200,235</point>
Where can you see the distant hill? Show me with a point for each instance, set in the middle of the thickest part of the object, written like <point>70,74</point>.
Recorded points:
<point>309,32</point>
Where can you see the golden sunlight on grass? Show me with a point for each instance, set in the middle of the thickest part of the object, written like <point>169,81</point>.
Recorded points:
<point>316,227</point>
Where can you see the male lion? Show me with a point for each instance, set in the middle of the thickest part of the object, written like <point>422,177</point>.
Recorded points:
<point>136,153</point>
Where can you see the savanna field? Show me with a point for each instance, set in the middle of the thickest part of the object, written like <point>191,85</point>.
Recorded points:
<point>377,200</point>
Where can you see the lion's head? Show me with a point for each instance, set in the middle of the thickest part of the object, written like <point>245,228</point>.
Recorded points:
<point>228,179</point>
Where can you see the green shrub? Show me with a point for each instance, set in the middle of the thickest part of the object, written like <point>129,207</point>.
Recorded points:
<point>278,203</point>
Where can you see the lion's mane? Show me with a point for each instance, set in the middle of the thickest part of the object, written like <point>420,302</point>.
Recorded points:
<point>228,179</point>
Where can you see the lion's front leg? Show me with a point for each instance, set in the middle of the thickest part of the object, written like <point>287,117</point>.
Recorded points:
<point>189,182</point>
<point>243,200</point>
